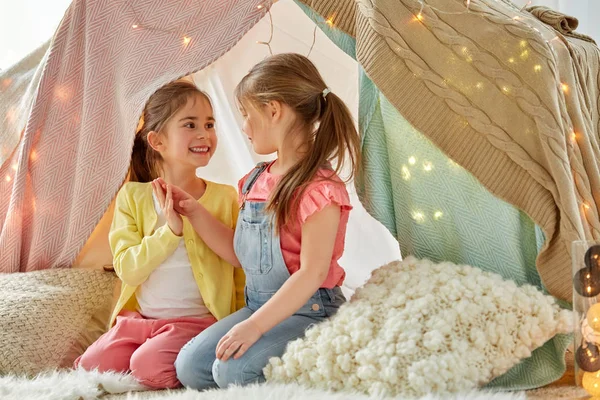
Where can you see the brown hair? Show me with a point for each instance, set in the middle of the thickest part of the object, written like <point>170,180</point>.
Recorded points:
<point>294,80</point>
<point>160,108</point>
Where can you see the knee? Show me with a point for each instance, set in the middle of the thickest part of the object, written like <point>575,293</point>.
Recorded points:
<point>239,372</point>
<point>193,366</point>
<point>96,359</point>
<point>149,370</point>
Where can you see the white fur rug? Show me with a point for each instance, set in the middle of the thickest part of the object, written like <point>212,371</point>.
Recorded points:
<point>79,384</point>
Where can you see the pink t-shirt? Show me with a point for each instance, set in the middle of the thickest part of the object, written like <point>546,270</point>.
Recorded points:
<point>317,196</point>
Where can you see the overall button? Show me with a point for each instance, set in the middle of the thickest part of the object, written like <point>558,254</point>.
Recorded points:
<point>315,307</point>
<point>190,242</point>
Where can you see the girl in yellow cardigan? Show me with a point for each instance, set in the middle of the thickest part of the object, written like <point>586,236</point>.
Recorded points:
<point>178,274</point>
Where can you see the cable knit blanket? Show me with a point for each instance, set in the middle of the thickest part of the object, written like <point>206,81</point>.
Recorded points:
<point>504,95</point>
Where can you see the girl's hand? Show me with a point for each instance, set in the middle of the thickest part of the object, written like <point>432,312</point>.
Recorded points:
<point>238,340</point>
<point>165,199</point>
<point>183,202</point>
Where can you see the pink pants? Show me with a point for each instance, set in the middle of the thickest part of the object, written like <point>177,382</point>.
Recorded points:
<point>146,347</point>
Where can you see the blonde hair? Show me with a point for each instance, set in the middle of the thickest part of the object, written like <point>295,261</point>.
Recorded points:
<point>160,108</point>
<point>292,79</point>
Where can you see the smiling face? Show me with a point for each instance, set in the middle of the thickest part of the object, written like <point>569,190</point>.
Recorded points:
<point>189,137</point>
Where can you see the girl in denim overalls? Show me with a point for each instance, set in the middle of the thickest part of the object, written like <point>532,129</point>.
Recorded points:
<point>292,223</point>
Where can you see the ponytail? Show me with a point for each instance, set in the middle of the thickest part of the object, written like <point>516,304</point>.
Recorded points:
<point>335,138</point>
<point>294,80</point>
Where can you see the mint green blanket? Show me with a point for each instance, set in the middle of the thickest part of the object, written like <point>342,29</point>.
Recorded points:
<point>437,210</point>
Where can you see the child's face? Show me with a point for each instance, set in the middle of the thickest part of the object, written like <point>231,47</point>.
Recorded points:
<point>190,134</point>
<point>257,126</point>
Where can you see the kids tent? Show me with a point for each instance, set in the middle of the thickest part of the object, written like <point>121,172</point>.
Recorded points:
<point>479,125</point>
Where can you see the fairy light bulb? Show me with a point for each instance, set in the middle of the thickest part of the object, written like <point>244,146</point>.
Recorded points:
<point>565,87</point>
<point>412,160</point>
<point>593,317</point>
<point>329,21</point>
<point>186,40</point>
<point>8,178</point>
<point>134,26</point>
<point>591,383</point>
<point>537,68</point>
<point>438,215</point>
<point>587,282</point>
<point>588,357</point>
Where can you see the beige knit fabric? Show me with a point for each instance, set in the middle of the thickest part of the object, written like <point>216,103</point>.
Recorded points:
<point>563,23</point>
<point>502,94</point>
<point>50,317</point>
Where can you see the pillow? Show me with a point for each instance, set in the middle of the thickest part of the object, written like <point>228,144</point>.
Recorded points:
<point>50,317</point>
<point>417,327</point>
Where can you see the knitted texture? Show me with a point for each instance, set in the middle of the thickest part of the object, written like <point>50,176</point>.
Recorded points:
<point>417,327</point>
<point>49,317</point>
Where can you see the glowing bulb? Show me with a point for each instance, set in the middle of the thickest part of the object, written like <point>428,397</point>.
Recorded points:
<point>537,68</point>
<point>7,178</point>
<point>259,6</point>
<point>565,87</point>
<point>33,156</point>
<point>523,43</point>
<point>438,215</point>
<point>586,206</point>
<point>419,17</point>
<point>405,173</point>
<point>517,18</point>
<point>593,317</point>
<point>418,216</point>
<point>479,85</point>
<point>14,166</point>
<point>573,136</point>
<point>134,26</point>
<point>329,21</point>
<point>427,166</point>
<point>186,40</point>
<point>412,160</point>
<point>511,60</point>
<point>591,382</point>
<point>505,89</point>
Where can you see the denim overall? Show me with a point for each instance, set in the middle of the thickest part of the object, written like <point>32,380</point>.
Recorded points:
<point>258,249</point>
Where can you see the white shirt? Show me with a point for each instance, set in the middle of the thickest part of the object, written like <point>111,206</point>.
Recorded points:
<point>171,290</point>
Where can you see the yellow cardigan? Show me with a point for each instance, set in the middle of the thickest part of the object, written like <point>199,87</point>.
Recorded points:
<point>138,248</point>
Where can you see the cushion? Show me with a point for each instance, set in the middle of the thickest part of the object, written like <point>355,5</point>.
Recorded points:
<point>418,327</point>
<point>50,317</point>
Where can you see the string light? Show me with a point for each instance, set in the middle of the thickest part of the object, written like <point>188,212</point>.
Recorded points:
<point>260,6</point>
<point>7,178</point>
<point>412,160</point>
<point>329,21</point>
<point>33,156</point>
<point>565,87</point>
<point>511,60</point>
<point>586,206</point>
<point>268,42</point>
<point>405,173</point>
<point>526,5</point>
<point>573,136</point>
<point>418,216</point>
<point>523,43</point>
<point>14,166</point>
<point>427,166</point>
<point>134,26</point>
<point>537,68</point>
<point>479,85</point>
<point>438,215</point>
<point>186,40</point>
